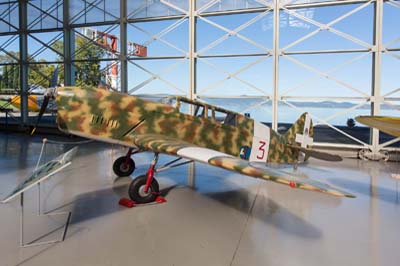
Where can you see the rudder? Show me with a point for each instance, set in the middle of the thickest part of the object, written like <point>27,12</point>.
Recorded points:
<point>301,131</point>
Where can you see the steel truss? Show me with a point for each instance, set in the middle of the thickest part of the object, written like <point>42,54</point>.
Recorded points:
<point>66,26</point>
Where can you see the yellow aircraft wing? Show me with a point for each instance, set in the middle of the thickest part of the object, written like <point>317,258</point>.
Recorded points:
<point>161,144</point>
<point>387,124</point>
<point>32,103</point>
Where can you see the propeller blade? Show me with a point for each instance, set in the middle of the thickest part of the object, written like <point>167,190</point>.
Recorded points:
<point>54,78</point>
<point>41,112</point>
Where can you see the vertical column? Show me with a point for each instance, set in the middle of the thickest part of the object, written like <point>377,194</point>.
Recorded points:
<point>192,50</point>
<point>276,54</point>
<point>23,64</point>
<point>376,98</point>
<point>123,46</point>
<point>69,47</point>
<point>192,77</point>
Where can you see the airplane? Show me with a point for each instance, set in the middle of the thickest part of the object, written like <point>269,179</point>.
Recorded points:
<point>210,135</point>
<point>35,98</point>
<point>387,124</point>
<point>34,102</point>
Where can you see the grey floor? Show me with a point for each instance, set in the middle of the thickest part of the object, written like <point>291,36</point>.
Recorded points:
<point>212,218</point>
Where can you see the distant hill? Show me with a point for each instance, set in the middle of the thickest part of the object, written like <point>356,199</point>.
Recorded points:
<point>250,100</point>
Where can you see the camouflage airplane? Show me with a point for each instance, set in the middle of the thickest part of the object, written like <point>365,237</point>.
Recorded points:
<point>212,135</point>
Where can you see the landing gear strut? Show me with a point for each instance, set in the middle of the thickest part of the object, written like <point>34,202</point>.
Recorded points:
<point>124,166</point>
<point>145,189</point>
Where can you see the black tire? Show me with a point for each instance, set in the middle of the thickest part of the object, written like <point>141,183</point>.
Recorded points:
<point>121,167</point>
<point>136,190</point>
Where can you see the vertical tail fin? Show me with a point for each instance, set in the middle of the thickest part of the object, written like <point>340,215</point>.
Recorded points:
<point>301,131</point>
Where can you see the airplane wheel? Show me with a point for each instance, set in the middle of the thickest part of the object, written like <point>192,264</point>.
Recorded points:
<point>136,190</point>
<point>121,168</point>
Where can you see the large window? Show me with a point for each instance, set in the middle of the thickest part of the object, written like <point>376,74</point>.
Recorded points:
<point>269,59</point>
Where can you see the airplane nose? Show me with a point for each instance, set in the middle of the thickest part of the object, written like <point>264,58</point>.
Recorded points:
<point>51,93</point>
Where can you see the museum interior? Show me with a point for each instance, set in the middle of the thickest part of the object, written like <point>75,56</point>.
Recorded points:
<point>199,132</point>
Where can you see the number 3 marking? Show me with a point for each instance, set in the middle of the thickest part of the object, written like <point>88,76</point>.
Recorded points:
<point>262,149</point>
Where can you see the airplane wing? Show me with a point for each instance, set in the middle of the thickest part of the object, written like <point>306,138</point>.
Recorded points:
<point>387,124</point>
<point>43,172</point>
<point>189,151</point>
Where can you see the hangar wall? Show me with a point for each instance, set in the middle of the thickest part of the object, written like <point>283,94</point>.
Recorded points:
<point>272,59</point>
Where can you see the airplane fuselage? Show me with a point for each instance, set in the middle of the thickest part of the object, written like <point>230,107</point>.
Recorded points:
<point>120,118</point>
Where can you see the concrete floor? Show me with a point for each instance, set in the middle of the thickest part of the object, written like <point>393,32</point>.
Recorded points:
<point>216,218</point>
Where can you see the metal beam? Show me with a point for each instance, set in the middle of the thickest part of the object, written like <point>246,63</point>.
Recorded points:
<point>276,55</point>
<point>326,3</point>
<point>376,71</point>
<point>192,50</point>
<point>327,51</point>
<point>23,49</point>
<point>250,10</point>
<point>123,46</point>
<point>233,55</point>
<point>69,47</point>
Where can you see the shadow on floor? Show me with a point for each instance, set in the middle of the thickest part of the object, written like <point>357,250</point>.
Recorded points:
<point>268,211</point>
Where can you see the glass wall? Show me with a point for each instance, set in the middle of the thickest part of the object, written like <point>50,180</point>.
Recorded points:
<point>271,59</point>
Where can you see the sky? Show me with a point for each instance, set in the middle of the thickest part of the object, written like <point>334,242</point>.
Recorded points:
<point>254,75</point>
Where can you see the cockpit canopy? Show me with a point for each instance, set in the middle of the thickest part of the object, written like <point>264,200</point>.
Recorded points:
<point>206,111</point>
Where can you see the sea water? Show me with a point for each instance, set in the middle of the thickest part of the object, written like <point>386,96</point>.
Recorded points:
<point>325,112</point>
<point>289,112</point>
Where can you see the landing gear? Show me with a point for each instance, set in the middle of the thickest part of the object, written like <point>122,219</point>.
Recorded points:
<point>124,166</point>
<point>145,189</point>
<point>367,154</point>
<point>137,190</point>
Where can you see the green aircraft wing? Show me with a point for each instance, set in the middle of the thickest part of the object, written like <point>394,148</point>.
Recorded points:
<point>161,144</point>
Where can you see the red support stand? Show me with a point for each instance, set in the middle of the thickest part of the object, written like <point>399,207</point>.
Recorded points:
<point>160,199</point>
<point>127,202</point>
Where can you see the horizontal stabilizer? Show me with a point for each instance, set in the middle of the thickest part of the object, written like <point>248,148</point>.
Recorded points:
<point>318,154</point>
<point>42,173</point>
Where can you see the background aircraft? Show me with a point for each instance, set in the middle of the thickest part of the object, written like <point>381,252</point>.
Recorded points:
<point>212,135</point>
<point>387,124</point>
<point>36,96</point>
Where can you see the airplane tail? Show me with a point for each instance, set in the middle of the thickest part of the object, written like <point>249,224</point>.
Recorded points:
<point>299,138</point>
<point>301,131</point>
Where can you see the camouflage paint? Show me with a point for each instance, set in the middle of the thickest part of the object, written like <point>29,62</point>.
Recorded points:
<point>128,120</point>
<point>125,119</point>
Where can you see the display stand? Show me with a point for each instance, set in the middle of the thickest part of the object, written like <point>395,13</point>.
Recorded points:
<point>37,242</point>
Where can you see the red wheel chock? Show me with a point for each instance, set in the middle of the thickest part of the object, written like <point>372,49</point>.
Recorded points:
<point>127,202</point>
<point>160,199</point>
<point>130,203</point>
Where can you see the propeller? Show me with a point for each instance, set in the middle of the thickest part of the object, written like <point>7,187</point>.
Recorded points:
<point>49,94</point>
<point>41,111</point>
<point>54,79</point>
